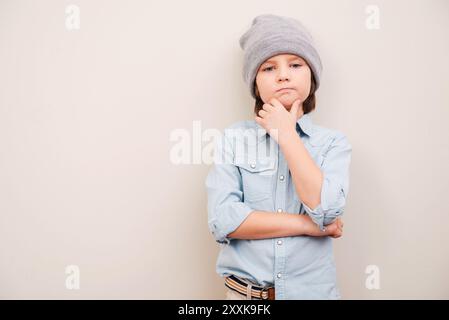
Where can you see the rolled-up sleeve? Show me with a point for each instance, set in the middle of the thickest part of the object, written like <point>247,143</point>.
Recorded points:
<point>335,187</point>
<point>226,210</point>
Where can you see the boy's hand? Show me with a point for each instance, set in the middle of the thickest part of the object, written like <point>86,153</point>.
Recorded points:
<point>334,230</point>
<point>277,120</point>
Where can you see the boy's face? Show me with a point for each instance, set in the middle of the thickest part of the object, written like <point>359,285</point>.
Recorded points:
<point>281,71</point>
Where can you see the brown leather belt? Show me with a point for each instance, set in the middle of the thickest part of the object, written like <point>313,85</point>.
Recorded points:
<point>241,286</point>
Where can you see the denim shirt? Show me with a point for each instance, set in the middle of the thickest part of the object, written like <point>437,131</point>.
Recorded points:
<point>250,173</point>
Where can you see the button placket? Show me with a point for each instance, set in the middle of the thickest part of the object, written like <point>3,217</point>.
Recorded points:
<point>280,206</point>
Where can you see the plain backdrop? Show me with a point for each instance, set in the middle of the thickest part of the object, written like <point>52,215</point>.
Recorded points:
<point>86,115</point>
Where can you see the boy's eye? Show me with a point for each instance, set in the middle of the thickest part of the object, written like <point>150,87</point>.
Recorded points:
<point>297,65</point>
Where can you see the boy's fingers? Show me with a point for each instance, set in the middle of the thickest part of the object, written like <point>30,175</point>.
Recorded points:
<point>267,107</point>
<point>262,113</point>
<point>275,102</point>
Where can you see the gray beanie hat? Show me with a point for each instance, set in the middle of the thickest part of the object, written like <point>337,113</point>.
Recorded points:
<point>270,35</point>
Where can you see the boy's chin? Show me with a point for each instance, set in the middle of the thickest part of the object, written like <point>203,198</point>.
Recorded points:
<point>287,101</point>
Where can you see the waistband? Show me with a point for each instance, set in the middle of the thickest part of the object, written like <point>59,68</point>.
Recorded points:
<point>241,286</point>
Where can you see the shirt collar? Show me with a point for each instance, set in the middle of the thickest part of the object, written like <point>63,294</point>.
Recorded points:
<point>304,124</point>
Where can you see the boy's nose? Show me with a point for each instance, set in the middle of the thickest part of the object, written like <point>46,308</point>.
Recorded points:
<point>283,74</point>
<point>283,78</point>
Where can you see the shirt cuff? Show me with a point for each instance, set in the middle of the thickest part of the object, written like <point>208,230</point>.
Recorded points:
<point>230,217</point>
<point>317,215</point>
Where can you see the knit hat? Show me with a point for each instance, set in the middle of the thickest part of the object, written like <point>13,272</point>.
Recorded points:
<point>270,35</point>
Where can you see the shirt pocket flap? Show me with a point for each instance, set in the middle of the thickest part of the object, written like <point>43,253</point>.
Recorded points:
<point>262,165</point>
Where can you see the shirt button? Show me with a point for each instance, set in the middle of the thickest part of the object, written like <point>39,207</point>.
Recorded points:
<point>281,178</point>
<point>279,275</point>
<point>252,165</point>
<point>279,242</point>
<point>279,210</point>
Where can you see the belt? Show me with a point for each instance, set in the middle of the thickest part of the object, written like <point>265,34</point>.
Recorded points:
<point>241,286</point>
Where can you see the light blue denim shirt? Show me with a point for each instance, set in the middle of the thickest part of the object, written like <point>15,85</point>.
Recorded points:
<point>250,173</point>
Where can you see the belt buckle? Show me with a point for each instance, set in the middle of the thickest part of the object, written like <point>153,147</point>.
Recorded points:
<point>271,294</point>
<point>270,291</point>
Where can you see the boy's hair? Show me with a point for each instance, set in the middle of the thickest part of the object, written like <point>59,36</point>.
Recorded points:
<point>308,104</point>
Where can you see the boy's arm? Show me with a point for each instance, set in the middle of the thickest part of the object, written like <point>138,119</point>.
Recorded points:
<point>262,224</point>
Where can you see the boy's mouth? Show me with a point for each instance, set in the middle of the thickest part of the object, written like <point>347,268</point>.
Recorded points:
<point>284,90</point>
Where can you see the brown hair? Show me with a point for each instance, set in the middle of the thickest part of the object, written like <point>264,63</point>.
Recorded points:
<point>308,104</point>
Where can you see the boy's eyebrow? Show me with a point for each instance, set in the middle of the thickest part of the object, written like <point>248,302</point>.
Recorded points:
<point>290,59</point>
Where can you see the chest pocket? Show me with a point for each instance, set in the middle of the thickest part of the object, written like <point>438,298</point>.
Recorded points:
<point>257,178</point>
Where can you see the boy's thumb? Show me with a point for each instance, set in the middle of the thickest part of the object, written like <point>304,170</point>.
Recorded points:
<point>294,108</point>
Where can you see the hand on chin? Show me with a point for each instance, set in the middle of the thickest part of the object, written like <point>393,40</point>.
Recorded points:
<point>287,101</point>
